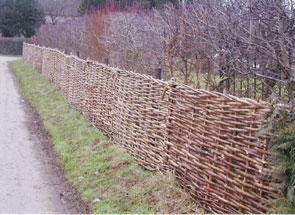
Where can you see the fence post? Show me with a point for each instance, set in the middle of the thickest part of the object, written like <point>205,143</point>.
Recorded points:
<point>106,61</point>
<point>158,74</point>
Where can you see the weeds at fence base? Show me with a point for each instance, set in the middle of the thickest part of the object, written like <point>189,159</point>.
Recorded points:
<point>108,178</point>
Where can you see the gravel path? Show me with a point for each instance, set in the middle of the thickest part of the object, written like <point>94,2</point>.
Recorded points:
<point>27,185</point>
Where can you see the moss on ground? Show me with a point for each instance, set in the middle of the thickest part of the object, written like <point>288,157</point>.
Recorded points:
<point>106,175</point>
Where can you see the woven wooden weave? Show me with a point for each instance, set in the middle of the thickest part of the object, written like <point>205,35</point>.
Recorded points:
<point>139,117</point>
<point>64,74</point>
<point>212,146</point>
<point>209,139</point>
<point>99,97</point>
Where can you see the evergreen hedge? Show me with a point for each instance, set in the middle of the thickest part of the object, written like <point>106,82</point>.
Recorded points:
<point>283,156</point>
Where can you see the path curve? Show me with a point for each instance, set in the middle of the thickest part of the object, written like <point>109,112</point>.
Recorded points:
<point>26,184</point>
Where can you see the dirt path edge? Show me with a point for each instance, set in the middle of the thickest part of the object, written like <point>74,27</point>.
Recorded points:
<point>67,191</point>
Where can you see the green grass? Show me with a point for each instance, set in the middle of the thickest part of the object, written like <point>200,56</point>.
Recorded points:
<point>200,82</point>
<point>107,176</point>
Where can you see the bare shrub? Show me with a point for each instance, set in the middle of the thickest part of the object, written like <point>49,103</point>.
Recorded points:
<point>242,47</point>
<point>134,37</point>
<point>69,36</point>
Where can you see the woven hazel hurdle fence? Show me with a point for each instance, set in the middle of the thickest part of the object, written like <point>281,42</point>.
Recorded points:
<point>209,139</point>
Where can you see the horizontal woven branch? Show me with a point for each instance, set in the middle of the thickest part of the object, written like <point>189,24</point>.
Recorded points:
<point>209,139</point>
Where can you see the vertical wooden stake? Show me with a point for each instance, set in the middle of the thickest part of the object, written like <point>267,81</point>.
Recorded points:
<point>106,61</point>
<point>158,74</point>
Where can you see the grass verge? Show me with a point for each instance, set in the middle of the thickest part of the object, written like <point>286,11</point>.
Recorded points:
<point>106,175</point>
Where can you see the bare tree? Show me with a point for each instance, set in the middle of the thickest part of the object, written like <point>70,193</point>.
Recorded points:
<point>243,47</point>
<point>134,37</point>
<point>68,36</point>
<point>58,10</point>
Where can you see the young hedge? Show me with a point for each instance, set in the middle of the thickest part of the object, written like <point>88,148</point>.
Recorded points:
<point>11,46</point>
